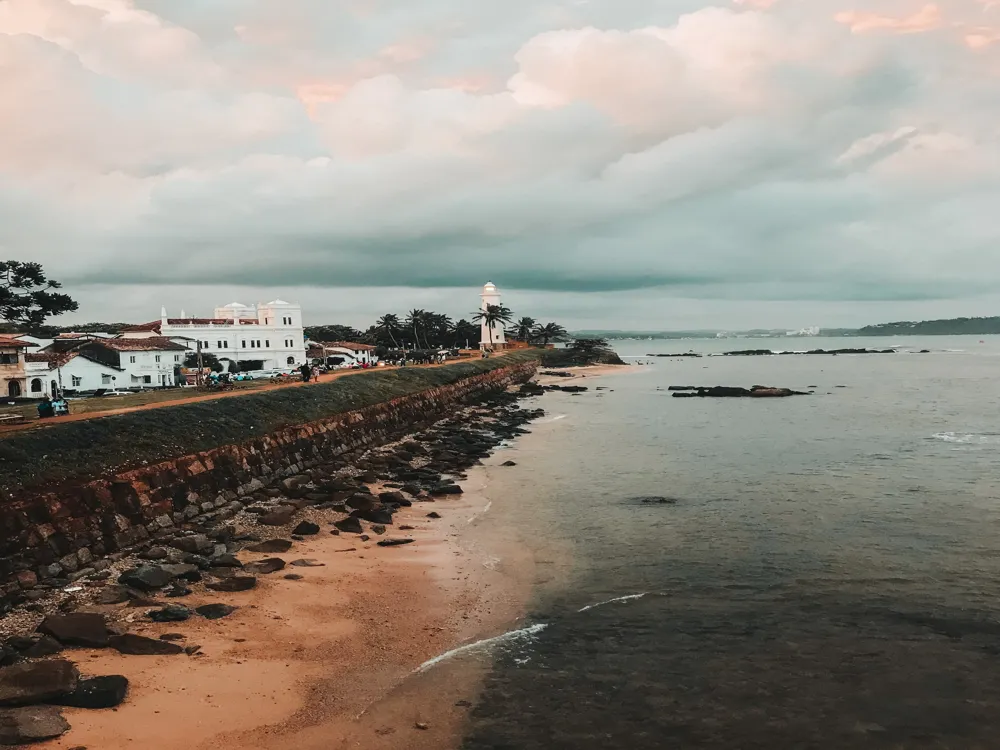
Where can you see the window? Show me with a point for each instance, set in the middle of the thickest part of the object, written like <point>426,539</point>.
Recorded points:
<point>267,343</point>
<point>290,360</point>
<point>177,358</point>
<point>105,380</point>
<point>77,381</point>
<point>132,359</point>
<point>8,359</point>
<point>157,357</point>
<point>36,386</point>
<point>147,378</point>
<point>244,343</point>
<point>223,344</point>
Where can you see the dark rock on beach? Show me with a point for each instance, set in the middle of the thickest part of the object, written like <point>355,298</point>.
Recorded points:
<point>375,515</point>
<point>349,525</point>
<point>278,517</point>
<point>107,691</point>
<point>394,542</point>
<point>139,645</point>
<point>306,528</point>
<point>146,578</point>
<point>86,629</point>
<point>215,611</point>
<point>21,726</point>
<point>265,566</point>
<point>234,584</point>
<point>170,613</point>
<point>271,546</point>
<point>37,682</point>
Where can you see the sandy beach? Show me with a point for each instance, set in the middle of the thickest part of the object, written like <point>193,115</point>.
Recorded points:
<point>329,660</point>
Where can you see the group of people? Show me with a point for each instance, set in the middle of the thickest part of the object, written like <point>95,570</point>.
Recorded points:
<point>53,407</point>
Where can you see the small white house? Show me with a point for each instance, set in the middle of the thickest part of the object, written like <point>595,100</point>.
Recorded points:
<point>348,352</point>
<point>75,371</point>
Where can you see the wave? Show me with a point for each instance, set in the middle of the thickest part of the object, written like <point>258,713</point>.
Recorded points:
<point>974,438</point>
<point>556,418</point>
<point>616,600</point>
<point>485,644</point>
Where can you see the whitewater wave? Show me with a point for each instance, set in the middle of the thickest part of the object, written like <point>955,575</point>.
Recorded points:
<point>523,634</point>
<point>973,438</point>
<point>616,600</point>
<point>556,418</point>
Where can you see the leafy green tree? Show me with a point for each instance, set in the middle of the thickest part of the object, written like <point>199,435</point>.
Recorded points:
<point>463,333</point>
<point>390,326</point>
<point>26,294</point>
<point>550,332</point>
<point>333,333</point>
<point>524,329</point>
<point>492,316</point>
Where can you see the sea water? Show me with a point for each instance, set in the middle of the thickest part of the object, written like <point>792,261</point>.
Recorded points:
<point>825,572</point>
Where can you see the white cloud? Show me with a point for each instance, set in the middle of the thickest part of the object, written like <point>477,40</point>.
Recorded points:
<point>714,151</point>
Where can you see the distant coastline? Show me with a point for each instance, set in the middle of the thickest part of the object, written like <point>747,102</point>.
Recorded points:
<point>945,327</point>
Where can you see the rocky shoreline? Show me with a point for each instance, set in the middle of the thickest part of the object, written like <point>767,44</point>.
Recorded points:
<point>722,391</point>
<point>213,561</point>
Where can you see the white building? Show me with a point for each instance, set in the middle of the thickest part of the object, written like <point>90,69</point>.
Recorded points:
<point>342,353</point>
<point>270,334</point>
<point>491,339</point>
<point>93,364</point>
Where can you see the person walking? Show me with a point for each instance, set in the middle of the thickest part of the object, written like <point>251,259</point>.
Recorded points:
<point>306,371</point>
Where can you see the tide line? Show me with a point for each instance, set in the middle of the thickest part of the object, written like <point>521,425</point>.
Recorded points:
<point>486,643</point>
<point>616,600</point>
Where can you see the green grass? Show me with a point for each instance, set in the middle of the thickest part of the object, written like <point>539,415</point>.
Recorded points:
<point>90,448</point>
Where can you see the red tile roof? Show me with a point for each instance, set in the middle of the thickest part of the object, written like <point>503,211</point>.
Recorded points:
<point>156,324</point>
<point>10,343</point>
<point>153,343</point>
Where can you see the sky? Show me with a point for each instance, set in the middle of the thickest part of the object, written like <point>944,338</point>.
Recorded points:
<point>631,164</point>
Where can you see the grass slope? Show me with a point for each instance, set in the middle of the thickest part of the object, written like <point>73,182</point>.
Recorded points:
<point>94,447</point>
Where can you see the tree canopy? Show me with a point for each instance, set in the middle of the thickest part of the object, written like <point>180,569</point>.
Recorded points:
<point>26,294</point>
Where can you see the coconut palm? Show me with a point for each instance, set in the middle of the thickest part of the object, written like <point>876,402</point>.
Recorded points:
<point>389,325</point>
<point>417,320</point>
<point>550,332</point>
<point>524,329</point>
<point>462,332</point>
<point>493,315</point>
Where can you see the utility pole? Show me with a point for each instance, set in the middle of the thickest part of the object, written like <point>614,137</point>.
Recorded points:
<point>200,363</point>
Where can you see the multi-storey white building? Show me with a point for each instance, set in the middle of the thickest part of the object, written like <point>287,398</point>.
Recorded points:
<point>269,334</point>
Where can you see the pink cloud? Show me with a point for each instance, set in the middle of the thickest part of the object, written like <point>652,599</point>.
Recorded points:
<point>927,18</point>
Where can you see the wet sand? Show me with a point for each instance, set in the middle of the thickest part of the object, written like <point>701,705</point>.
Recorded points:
<point>322,662</point>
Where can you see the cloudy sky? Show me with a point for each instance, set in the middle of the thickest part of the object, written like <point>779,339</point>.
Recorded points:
<point>608,163</point>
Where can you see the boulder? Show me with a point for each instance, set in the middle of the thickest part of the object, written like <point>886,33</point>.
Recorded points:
<point>307,564</point>
<point>433,514</point>
<point>306,528</point>
<point>139,645</point>
<point>187,571</point>
<point>37,681</point>
<point>194,543</point>
<point>146,578</point>
<point>20,726</point>
<point>228,561</point>
<point>215,611</point>
<point>293,577</point>
<point>41,647</point>
<point>396,498</point>
<point>154,553</point>
<point>86,629</point>
<point>349,525</point>
<point>271,546</point>
<point>394,542</point>
<point>107,691</point>
<point>265,566</point>
<point>170,613</point>
<point>278,517</point>
<point>446,489</point>
<point>236,583</point>
<point>113,594</point>
<point>177,589</point>
<point>375,515</point>
<point>508,463</point>
<point>361,501</point>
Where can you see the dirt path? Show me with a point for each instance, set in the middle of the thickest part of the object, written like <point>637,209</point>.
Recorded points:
<point>201,396</point>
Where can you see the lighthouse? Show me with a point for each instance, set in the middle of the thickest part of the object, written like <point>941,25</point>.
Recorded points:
<point>491,296</point>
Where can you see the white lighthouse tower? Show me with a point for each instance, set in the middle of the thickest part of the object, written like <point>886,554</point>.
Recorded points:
<point>491,296</point>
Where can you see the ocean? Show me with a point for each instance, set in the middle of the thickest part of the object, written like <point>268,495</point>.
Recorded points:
<point>824,571</point>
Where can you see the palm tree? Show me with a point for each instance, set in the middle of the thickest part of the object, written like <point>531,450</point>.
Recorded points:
<point>416,320</point>
<point>493,315</point>
<point>462,332</point>
<point>390,325</point>
<point>439,325</point>
<point>550,332</point>
<point>524,329</point>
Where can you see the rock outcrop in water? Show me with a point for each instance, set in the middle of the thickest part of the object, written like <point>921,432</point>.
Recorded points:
<point>721,391</point>
<point>834,352</point>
